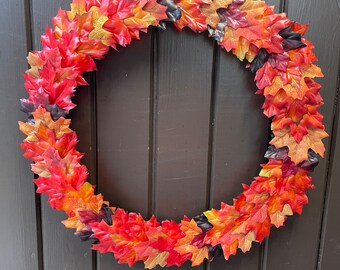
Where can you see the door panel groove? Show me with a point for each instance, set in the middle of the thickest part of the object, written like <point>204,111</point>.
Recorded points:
<point>211,136</point>
<point>152,122</point>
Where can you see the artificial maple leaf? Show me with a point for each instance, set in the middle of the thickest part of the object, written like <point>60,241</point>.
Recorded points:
<point>80,200</point>
<point>297,87</point>
<point>233,16</point>
<point>210,11</point>
<point>156,10</point>
<point>158,259</point>
<point>78,7</point>
<point>245,243</point>
<point>198,255</point>
<point>98,32</point>
<point>229,249</point>
<point>278,218</point>
<point>184,245</point>
<point>303,55</point>
<point>298,121</point>
<point>298,152</point>
<point>140,21</point>
<point>41,116</point>
<point>36,62</point>
<point>103,232</point>
<point>192,17</point>
<point>281,103</point>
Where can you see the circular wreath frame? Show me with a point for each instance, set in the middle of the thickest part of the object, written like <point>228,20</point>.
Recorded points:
<point>275,51</point>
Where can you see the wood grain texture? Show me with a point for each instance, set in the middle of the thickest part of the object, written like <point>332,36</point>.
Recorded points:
<point>123,91</point>
<point>329,256</point>
<point>61,249</point>
<point>183,88</point>
<point>297,245</point>
<point>160,146</point>
<point>18,248</point>
<point>278,4</point>
<point>240,141</point>
<point>183,112</point>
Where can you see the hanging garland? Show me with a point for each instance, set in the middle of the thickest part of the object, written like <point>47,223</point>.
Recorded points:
<point>277,54</point>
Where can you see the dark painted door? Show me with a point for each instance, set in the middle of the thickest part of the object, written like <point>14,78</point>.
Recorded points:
<point>171,126</point>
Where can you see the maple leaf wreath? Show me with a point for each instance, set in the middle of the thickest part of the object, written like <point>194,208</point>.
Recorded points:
<point>276,52</point>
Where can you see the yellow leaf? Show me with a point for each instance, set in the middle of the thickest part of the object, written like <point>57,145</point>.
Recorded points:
<point>77,7</point>
<point>278,218</point>
<point>210,11</point>
<point>36,63</point>
<point>245,243</point>
<point>298,152</point>
<point>159,259</point>
<point>198,255</point>
<point>98,32</point>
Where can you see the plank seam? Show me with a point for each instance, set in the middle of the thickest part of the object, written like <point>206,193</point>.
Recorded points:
<point>37,196</point>
<point>330,162</point>
<point>152,123</point>
<point>213,96</point>
<point>94,148</point>
<point>211,136</point>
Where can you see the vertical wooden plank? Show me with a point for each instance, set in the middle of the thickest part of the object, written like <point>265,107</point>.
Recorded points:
<point>296,246</point>
<point>61,249</point>
<point>240,139</point>
<point>182,123</point>
<point>17,206</point>
<point>123,91</point>
<point>329,256</point>
<point>183,111</point>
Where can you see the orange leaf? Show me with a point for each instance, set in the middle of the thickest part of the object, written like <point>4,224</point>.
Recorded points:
<point>41,116</point>
<point>297,87</point>
<point>298,152</point>
<point>210,11</point>
<point>158,258</point>
<point>192,16</point>
<point>184,246</point>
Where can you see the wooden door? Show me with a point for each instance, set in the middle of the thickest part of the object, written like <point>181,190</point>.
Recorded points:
<point>170,125</point>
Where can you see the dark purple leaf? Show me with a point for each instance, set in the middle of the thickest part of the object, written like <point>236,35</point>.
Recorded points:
<point>276,153</point>
<point>291,40</point>
<point>312,161</point>
<point>203,223</point>
<point>214,251</point>
<point>85,234</point>
<point>258,62</point>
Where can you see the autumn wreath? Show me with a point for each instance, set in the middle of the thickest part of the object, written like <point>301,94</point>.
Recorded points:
<point>276,53</point>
